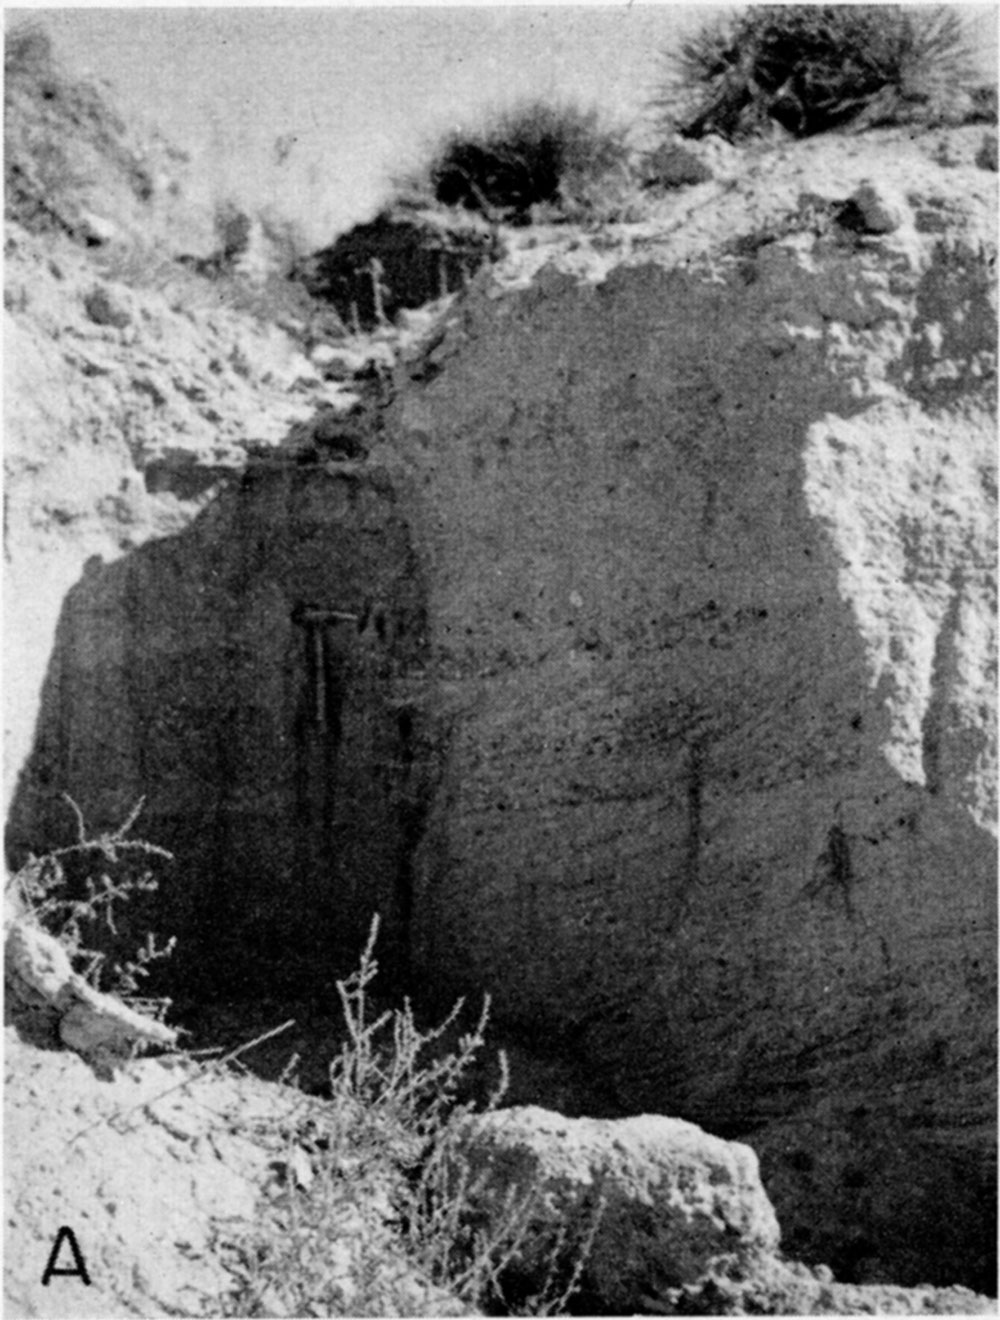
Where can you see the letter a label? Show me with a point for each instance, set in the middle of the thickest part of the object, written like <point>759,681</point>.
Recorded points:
<point>79,1269</point>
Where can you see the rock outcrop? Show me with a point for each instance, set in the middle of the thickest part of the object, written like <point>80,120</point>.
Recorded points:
<point>401,259</point>
<point>126,411</point>
<point>642,675</point>
<point>72,167</point>
<point>289,774</point>
<point>709,549</point>
<point>651,1215</point>
<point>649,1203</point>
<point>39,980</point>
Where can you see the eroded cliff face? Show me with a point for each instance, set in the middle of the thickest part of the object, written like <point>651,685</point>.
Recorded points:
<point>125,411</point>
<point>643,676</point>
<point>251,670</point>
<point>710,569</point>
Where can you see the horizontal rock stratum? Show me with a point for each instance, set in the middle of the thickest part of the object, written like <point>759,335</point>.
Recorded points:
<point>642,676</point>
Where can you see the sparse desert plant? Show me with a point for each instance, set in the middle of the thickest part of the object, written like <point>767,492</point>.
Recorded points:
<point>377,1212</point>
<point>810,68</point>
<point>536,154</point>
<point>42,888</point>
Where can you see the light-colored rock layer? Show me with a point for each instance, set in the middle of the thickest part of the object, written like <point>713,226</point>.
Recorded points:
<point>39,978</point>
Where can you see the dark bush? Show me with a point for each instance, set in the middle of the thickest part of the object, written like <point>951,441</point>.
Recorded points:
<point>811,68</point>
<point>536,154</point>
<point>27,51</point>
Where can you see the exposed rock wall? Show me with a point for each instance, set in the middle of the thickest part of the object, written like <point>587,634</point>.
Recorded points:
<point>124,411</point>
<point>710,578</point>
<point>248,676</point>
<point>665,706</point>
<point>396,261</point>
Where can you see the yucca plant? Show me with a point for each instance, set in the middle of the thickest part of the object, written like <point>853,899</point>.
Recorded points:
<point>811,68</point>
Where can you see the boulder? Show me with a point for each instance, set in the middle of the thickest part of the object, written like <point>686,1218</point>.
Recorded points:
<point>986,157</point>
<point>39,978</point>
<point>674,165</point>
<point>96,230</point>
<point>651,1202</point>
<point>652,1214</point>
<point>344,362</point>
<point>875,208</point>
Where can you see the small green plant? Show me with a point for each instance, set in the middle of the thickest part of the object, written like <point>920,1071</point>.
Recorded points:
<point>42,883</point>
<point>377,1212</point>
<point>536,154</point>
<point>811,68</point>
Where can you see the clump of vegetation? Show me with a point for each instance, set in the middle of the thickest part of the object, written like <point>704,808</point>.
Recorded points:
<point>811,68</point>
<point>376,1208</point>
<point>27,51</point>
<point>77,903</point>
<point>537,154</point>
<point>377,1212</point>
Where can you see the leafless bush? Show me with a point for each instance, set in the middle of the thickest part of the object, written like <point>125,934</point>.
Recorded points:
<point>42,887</point>
<point>378,1211</point>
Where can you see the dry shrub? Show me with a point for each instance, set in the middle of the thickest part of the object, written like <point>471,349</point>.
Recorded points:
<point>535,155</point>
<point>74,893</point>
<point>376,1211</point>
